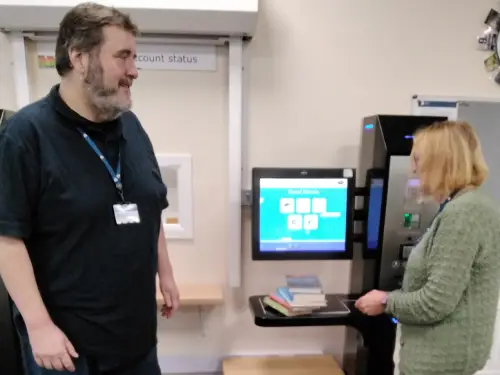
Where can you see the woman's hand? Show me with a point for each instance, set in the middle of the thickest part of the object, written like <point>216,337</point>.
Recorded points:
<point>372,303</point>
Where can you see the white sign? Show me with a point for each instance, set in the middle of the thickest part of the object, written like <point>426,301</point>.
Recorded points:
<point>153,57</point>
<point>435,106</point>
<point>446,106</point>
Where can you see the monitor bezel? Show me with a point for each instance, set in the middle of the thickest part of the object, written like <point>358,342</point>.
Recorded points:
<point>302,173</point>
<point>374,174</point>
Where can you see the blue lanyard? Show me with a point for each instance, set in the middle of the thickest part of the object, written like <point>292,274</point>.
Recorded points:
<point>115,175</point>
<point>441,208</point>
<point>443,205</point>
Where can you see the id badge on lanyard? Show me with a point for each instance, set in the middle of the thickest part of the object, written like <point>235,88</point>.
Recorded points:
<point>125,213</point>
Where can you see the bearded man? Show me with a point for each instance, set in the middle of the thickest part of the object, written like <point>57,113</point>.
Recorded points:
<point>81,197</point>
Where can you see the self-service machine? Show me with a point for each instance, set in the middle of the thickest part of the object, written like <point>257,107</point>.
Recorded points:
<point>10,358</point>
<point>372,215</point>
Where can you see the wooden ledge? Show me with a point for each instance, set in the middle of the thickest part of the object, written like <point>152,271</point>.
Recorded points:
<point>196,295</point>
<point>277,365</point>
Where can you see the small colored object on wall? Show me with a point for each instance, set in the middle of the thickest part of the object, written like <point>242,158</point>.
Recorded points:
<point>488,41</point>
<point>45,61</point>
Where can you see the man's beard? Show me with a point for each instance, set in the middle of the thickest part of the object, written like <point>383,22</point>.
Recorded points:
<point>104,100</point>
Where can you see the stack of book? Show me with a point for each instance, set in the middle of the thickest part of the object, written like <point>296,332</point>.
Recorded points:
<point>302,295</point>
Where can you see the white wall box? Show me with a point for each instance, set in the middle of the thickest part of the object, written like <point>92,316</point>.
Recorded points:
<point>176,172</point>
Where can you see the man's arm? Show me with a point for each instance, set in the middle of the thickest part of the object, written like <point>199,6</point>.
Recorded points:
<point>51,348</point>
<point>17,274</point>
<point>19,186</point>
<point>164,266</point>
<point>19,194</point>
<point>168,286</point>
<point>165,270</point>
<point>453,250</point>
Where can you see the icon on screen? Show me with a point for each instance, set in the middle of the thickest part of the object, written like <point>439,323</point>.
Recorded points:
<point>311,222</point>
<point>319,205</point>
<point>295,222</point>
<point>287,205</point>
<point>303,205</point>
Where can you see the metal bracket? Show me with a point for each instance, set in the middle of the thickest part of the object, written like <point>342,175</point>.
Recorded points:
<point>358,237</point>
<point>246,198</point>
<point>361,191</point>
<point>359,215</point>
<point>235,129</point>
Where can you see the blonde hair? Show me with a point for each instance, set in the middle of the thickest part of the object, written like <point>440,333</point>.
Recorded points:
<point>450,158</point>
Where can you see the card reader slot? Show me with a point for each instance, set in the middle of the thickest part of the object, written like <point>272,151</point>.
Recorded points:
<point>405,250</point>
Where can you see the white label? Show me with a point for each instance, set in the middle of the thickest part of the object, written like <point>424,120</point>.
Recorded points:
<point>153,57</point>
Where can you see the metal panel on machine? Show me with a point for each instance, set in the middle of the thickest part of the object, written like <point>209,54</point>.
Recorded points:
<point>405,221</point>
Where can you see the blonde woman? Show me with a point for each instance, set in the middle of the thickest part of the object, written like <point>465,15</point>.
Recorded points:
<point>448,302</point>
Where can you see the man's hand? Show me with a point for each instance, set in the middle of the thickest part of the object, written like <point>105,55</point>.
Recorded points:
<point>51,348</point>
<point>170,294</point>
<point>372,303</point>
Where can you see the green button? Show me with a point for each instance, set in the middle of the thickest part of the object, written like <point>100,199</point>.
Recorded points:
<point>408,218</point>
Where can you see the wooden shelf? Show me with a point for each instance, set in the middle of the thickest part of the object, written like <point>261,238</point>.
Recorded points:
<point>276,365</point>
<point>196,295</point>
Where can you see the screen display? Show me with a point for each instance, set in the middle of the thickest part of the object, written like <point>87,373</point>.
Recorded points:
<point>303,214</point>
<point>374,212</point>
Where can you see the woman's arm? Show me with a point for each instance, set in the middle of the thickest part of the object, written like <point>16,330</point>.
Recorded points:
<point>449,262</point>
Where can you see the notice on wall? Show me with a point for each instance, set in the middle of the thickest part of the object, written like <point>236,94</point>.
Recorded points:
<point>152,57</point>
<point>434,106</point>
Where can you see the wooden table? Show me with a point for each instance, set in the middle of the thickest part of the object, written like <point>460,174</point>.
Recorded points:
<point>280,365</point>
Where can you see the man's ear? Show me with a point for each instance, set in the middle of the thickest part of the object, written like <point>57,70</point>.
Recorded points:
<point>79,61</point>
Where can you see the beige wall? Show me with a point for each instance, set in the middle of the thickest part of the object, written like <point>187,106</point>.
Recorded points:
<point>315,68</point>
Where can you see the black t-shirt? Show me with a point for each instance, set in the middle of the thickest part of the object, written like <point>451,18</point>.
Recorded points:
<point>96,278</point>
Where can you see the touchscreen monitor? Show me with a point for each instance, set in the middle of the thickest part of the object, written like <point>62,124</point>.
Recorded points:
<point>303,217</point>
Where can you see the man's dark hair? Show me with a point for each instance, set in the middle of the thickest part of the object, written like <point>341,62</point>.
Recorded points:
<point>81,29</point>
